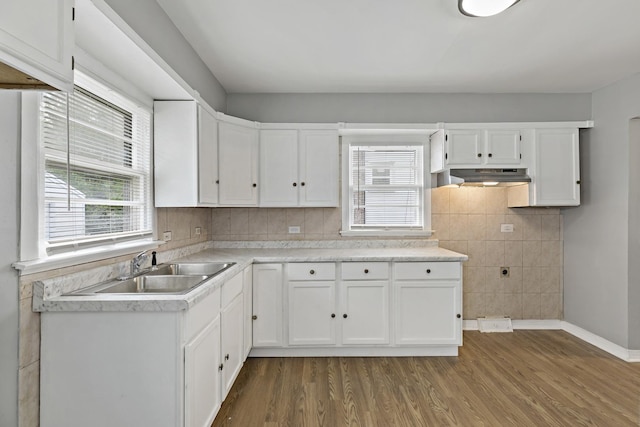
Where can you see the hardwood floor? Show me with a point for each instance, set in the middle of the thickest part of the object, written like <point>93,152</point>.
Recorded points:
<point>526,378</point>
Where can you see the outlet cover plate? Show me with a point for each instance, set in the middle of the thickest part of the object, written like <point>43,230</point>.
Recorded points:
<point>294,229</point>
<point>166,236</point>
<point>506,228</point>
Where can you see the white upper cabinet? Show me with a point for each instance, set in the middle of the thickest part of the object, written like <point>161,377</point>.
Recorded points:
<point>238,154</point>
<point>36,38</point>
<point>553,156</point>
<point>185,155</point>
<point>465,148</point>
<point>298,167</point>
<point>279,168</point>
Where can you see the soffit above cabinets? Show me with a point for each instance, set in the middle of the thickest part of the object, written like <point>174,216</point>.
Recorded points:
<point>333,46</point>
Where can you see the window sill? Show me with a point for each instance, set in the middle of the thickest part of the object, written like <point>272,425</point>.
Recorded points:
<point>83,256</point>
<point>386,233</point>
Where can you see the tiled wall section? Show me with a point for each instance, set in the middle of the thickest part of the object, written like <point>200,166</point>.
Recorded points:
<point>180,221</point>
<point>273,224</point>
<point>468,220</point>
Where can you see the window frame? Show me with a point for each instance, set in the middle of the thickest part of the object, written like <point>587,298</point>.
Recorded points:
<point>33,249</point>
<point>387,139</point>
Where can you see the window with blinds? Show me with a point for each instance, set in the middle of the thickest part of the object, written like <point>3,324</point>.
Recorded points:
<point>386,187</point>
<point>97,183</point>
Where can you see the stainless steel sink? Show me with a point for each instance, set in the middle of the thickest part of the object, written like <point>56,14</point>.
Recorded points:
<point>154,283</point>
<point>175,278</point>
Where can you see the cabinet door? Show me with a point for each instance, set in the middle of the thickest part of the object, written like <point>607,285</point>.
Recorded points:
<point>202,377</point>
<point>247,286</point>
<point>36,37</point>
<point>232,344</point>
<point>238,163</point>
<point>312,313</point>
<point>279,168</point>
<point>267,305</point>
<point>207,158</point>
<point>464,147</point>
<point>557,167</point>
<point>427,313</point>
<point>365,312</point>
<point>503,147</point>
<point>318,168</point>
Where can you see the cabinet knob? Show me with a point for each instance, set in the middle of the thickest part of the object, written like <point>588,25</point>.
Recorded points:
<point>255,185</point>
<point>479,154</point>
<point>333,315</point>
<point>345,315</point>
<point>312,272</point>
<point>217,181</point>
<point>366,271</point>
<point>302,183</point>
<point>578,182</point>
<point>458,315</point>
<point>490,155</point>
<point>254,317</point>
<point>428,271</point>
<point>220,367</point>
<point>226,357</point>
<point>295,184</point>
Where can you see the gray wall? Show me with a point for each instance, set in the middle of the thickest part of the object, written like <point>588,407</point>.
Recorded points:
<point>600,254</point>
<point>151,23</point>
<point>409,108</point>
<point>634,234</point>
<point>9,141</point>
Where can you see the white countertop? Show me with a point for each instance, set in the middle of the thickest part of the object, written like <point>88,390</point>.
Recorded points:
<point>46,294</point>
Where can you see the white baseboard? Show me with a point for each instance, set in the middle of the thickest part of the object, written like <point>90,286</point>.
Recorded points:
<point>593,339</point>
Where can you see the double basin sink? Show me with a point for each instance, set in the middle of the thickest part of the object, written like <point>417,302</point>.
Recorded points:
<point>176,278</point>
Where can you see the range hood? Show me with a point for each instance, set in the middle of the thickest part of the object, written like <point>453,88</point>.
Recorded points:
<point>483,177</point>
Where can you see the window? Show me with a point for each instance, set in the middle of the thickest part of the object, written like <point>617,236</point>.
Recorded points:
<point>96,168</point>
<point>384,186</point>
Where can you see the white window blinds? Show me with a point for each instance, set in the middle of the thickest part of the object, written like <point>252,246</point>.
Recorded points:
<point>386,187</point>
<point>97,184</point>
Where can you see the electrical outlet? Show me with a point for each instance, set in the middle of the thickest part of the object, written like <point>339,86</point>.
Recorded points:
<point>166,236</point>
<point>294,229</point>
<point>506,228</point>
<point>198,231</point>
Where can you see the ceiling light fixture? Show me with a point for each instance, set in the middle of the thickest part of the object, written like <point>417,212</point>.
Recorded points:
<point>484,8</point>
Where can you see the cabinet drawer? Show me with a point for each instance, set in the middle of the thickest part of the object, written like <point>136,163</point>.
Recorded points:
<point>365,270</point>
<point>202,314</point>
<point>231,288</point>
<point>312,271</point>
<point>426,270</point>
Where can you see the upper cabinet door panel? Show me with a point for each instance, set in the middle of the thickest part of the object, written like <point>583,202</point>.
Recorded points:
<point>503,147</point>
<point>279,168</point>
<point>464,147</point>
<point>318,168</point>
<point>557,170</point>
<point>36,37</point>
<point>238,153</point>
<point>207,157</point>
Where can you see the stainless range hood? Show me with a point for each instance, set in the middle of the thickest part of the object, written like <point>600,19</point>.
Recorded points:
<point>483,177</point>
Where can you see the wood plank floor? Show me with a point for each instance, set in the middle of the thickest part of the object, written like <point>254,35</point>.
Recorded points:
<point>526,378</point>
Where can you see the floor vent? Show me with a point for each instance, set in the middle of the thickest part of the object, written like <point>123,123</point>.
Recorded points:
<point>495,324</point>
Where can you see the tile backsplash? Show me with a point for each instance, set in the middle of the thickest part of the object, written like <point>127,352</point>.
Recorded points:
<point>468,220</point>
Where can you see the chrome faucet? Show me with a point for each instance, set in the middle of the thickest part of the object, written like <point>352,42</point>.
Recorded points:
<point>137,262</point>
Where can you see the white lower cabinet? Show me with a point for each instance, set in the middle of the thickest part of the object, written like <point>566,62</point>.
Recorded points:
<point>428,307</point>
<point>247,290</point>
<point>357,309</point>
<point>267,305</point>
<point>312,312</point>
<point>166,368</point>
<point>202,380</point>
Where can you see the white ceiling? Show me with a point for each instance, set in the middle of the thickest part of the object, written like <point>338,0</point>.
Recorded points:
<point>288,46</point>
